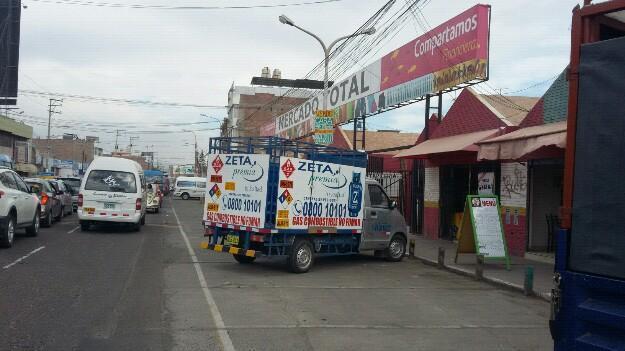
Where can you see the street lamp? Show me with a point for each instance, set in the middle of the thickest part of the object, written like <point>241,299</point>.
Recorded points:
<point>326,50</point>
<point>211,117</point>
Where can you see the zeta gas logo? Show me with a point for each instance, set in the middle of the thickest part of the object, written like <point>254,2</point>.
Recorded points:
<point>287,168</point>
<point>217,164</point>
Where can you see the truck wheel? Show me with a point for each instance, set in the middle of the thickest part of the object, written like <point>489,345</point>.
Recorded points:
<point>244,259</point>
<point>302,256</point>
<point>396,248</point>
<point>185,196</point>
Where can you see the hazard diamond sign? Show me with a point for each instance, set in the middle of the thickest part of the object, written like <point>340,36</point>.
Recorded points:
<point>217,164</point>
<point>287,168</point>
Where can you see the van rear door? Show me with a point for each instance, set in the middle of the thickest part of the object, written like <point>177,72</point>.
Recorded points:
<point>110,192</point>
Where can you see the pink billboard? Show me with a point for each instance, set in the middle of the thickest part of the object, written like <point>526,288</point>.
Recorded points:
<point>461,41</point>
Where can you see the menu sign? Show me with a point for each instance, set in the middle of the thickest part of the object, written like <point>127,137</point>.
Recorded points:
<point>482,231</point>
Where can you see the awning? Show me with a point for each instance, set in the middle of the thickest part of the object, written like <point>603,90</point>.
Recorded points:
<point>454,143</point>
<point>521,142</point>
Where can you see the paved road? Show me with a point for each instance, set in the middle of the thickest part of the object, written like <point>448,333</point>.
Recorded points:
<point>120,290</point>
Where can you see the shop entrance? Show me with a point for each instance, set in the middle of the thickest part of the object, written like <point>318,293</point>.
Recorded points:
<point>545,199</point>
<point>456,182</point>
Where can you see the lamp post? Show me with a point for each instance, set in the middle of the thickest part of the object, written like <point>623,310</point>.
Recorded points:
<point>326,50</point>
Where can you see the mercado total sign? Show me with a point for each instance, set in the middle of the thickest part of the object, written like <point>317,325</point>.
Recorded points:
<point>451,54</point>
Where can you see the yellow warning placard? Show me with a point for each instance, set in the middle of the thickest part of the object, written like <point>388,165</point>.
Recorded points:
<point>230,186</point>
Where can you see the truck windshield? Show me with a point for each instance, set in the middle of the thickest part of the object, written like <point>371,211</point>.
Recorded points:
<point>112,181</point>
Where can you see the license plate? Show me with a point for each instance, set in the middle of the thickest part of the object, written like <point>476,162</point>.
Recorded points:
<point>109,205</point>
<point>88,209</point>
<point>232,239</point>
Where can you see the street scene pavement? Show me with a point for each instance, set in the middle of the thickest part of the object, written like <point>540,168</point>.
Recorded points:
<point>114,289</point>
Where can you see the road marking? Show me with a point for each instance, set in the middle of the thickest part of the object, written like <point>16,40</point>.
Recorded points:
<point>226,342</point>
<point>73,230</point>
<point>23,257</point>
<point>366,326</point>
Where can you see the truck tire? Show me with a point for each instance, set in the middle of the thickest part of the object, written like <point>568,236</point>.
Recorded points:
<point>396,248</point>
<point>302,256</point>
<point>33,229</point>
<point>244,259</point>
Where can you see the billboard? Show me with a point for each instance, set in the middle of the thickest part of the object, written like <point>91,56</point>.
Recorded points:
<point>10,12</point>
<point>452,54</point>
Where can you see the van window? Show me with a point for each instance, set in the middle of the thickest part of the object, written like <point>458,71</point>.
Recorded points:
<point>185,184</point>
<point>201,185</point>
<point>113,181</point>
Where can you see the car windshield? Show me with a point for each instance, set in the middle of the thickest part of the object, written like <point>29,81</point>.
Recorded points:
<point>112,181</point>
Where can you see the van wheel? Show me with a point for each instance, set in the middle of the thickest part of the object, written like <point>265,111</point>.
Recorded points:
<point>84,226</point>
<point>156,210</point>
<point>142,220</point>
<point>302,256</point>
<point>244,259</point>
<point>396,248</point>
<point>136,227</point>
<point>185,196</point>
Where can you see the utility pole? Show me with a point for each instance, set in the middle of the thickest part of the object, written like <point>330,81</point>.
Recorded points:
<point>130,146</point>
<point>54,103</point>
<point>116,139</point>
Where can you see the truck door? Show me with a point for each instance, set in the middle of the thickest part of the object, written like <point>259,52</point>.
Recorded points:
<point>588,299</point>
<point>377,218</point>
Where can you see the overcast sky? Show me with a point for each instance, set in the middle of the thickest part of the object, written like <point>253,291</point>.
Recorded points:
<point>193,56</point>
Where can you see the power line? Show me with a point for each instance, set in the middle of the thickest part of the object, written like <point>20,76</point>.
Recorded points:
<point>164,7</point>
<point>99,99</point>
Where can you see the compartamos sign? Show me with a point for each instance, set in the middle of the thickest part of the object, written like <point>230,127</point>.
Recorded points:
<point>236,189</point>
<point>319,194</point>
<point>454,53</point>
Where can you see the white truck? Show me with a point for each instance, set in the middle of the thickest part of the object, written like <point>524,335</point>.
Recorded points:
<point>273,197</point>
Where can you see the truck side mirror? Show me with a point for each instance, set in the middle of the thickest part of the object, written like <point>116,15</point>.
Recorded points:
<point>393,205</point>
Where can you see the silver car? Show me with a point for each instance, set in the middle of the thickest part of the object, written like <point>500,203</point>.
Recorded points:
<point>64,196</point>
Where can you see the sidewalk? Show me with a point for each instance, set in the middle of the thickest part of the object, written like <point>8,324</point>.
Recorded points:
<point>494,272</point>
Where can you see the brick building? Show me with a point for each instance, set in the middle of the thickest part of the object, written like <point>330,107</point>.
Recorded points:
<point>74,149</point>
<point>253,109</point>
<point>452,169</point>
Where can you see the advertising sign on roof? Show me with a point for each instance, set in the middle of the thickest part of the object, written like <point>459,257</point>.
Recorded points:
<point>454,53</point>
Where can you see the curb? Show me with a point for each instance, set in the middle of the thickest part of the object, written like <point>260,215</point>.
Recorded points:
<point>493,281</point>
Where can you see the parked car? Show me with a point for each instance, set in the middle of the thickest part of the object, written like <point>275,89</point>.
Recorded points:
<point>51,207</point>
<point>188,187</point>
<point>19,208</point>
<point>63,194</point>
<point>73,184</point>
<point>113,190</point>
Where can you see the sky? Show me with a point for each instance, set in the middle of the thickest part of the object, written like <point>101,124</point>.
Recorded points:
<point>194,56</point>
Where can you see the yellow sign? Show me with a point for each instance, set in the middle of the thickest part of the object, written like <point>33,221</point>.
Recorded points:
<point>283,213</point>
<point>324,113</point>
<point>282,223</point>
<point>212,207</point>
<point>230,186</point>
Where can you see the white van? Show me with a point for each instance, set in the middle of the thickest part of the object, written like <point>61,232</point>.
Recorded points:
<point>112,190</point>
<point>188,187</point>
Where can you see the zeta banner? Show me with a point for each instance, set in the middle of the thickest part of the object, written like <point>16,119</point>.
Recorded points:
<point>481,232</point>
<point>454,53</point>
